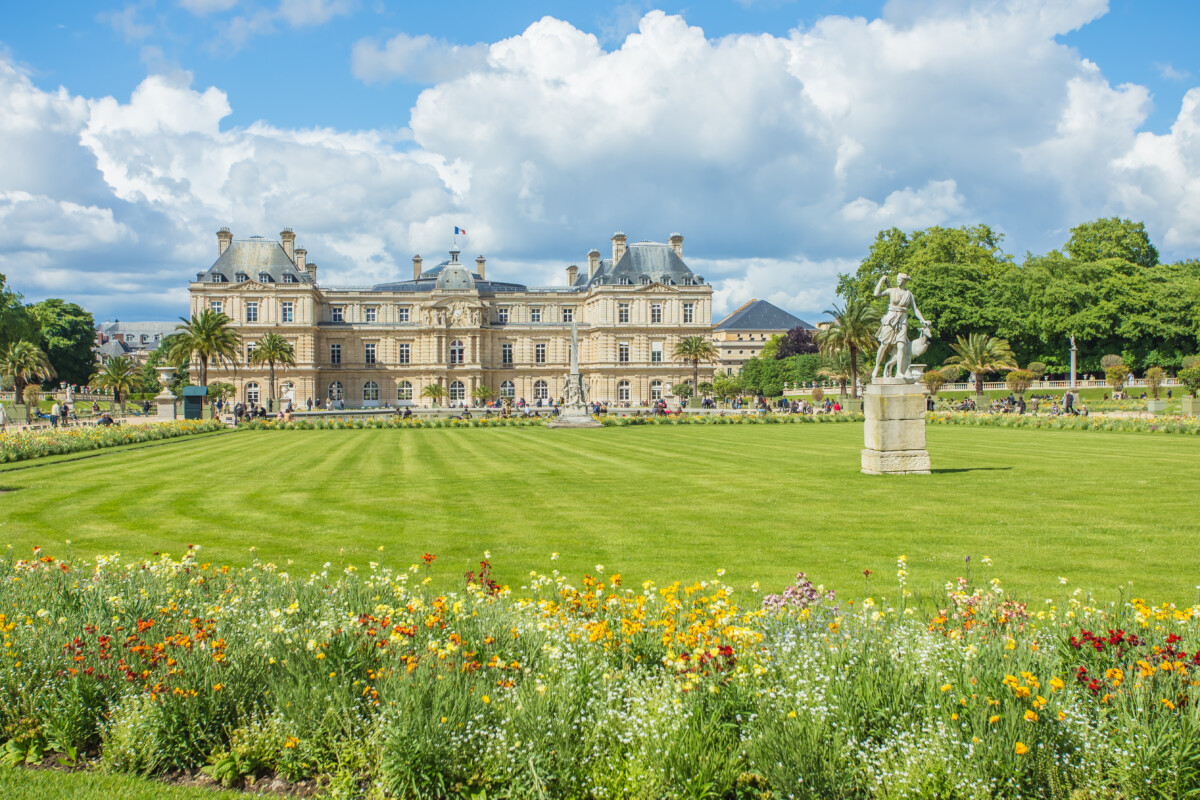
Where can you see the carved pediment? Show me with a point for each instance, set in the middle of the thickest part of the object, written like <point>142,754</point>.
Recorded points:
<point>250,286</point>
<point>657,288</point>
<point>454,313</point>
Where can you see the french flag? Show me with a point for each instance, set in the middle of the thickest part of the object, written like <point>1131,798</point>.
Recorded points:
<point>460,231</point>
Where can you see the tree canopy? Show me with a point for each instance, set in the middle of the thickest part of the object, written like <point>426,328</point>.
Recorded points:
<point>68,334</point>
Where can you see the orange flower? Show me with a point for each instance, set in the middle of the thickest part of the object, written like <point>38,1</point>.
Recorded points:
<point>1021,749</point>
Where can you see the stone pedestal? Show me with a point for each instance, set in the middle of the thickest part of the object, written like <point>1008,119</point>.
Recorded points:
<point>166,407</point>
<point>894,432</point>
<point>574,418</point>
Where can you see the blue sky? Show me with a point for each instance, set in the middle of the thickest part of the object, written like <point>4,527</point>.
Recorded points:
<point>777,136</point>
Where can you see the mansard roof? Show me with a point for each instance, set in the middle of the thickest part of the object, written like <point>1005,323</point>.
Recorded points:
<point>252,257</point>
<point>657,262</point>
<point>759,315</point>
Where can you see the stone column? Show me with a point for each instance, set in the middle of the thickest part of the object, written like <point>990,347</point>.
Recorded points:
<point>894,433</point>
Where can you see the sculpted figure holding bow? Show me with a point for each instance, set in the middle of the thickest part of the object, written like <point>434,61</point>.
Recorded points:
<point>893,328</point>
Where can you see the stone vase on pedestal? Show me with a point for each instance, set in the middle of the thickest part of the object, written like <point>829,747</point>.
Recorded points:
<point>165,400</point>
<point>894,431</point>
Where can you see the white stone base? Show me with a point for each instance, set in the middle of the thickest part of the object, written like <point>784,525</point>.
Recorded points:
<point>571,418</point>
<point>166,409</point>
<point>894,432</point>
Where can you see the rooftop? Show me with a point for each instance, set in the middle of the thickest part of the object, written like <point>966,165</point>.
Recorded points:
<point>759,315</point>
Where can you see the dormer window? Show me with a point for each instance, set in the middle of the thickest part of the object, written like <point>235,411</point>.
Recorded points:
<point>624,282</point>
<point>242,277</point>
<point>265,277</point>
<point>687,281</point>
<point>289,278</point>
<point>665,280</point>
<point>645,280</point>
<point>219,278</point>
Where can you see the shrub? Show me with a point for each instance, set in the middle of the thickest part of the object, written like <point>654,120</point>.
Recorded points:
<point>1110,360</point>
<point>934,381</point>
<point>1154,380</point>
<point>1018,380</point>
<point>1116,375</point>
<point>818,394</point>
<point>1190,378</point>
<point>1189,361</point>
<point>1038,368</point>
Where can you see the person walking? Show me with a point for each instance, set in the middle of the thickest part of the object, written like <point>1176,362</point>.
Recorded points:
<point>3,418</point>
<point>54,414</point>
<point>64,411</point>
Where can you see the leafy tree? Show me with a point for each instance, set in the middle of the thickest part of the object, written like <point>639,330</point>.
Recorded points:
<point>726,386</point>
<point>120,376</point>
<point>934,381</point>
<point>1038,368</point>
<point>68,334</point>
<point>771,348</point>
<point>1019,380</point>
<point>481,394</point>
<point>797,341</point>
<point>1112,238</point>
<point>1116,375</point>
<point>219,391</point>
<point>1190,378</point>
<point>32,396</point>
<point>17,323</point>
<point>683,390</point>
<point>1111,360</point>
<point>693,350</point>
<point>160,356</point>
<point>1189,362</point>
<point>207,336</point>
<point>980,354</point>
<point>1154,377</point>
<point>852,330</point>
<point>273,349</point>
<point>705,388</point>
<point>435,392</point>
<point>839,369</point>
<point>24,362</point>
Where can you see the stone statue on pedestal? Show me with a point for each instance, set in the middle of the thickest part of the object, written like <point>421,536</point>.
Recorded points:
<point>893,328</point>
<point>574,413</point>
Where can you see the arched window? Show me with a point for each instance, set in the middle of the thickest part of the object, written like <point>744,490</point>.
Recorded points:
<point>656,390</point>
<point>623,391</point>
<point>336,391</point>
<point>541,391</point>
<point>404,391</point>
<point>458,392</point>
<point>508,389</point>
<point>456,352</point>
<point>370,392</point>
<point>252,394</point>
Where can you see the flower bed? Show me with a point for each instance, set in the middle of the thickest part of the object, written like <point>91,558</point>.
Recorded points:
<point>325,424</point>
<point>371,683</point>
<point>24,445</point>
<point>1062,422</point>
<point>732,418</point>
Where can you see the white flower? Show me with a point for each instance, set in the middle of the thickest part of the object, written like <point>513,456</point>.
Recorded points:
<point>554,557</point>
<point>599,568</point>
<point>720,573</point>
<point>487,554</point>
<point>1062,580</point>
<point>754,587</point>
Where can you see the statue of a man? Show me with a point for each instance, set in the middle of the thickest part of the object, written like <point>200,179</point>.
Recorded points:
<point>893,328</point>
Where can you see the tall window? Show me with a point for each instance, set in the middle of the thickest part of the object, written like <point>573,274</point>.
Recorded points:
<point>338,314</point>
<point>656,390</point>
<point>506,353</point>
<point>535,314</point>
<point>250,350</point>
<point>625,282</point>
<point>370,313</point>
<point>622,312</point>
<point>370,392</point>
<point>456,352</point>
<point>287,311</point>
<point>623,352</point>
<point>508,389</point>
<point>568,313</point>
<point>402,314</point>
<point>251,312</point>
<point>336,391</point>
<point>458,392</point>
<point>404,391</point>
<point>402,352</point>
<point>541,391</point>
<point>656,352</point>
<point>369,352</point>
<point>216,306</point>
<point>539,354</point>
<point>502,315</point>
<point>335,354</point>
<point>689,312</point>
<point>623,391</point>
<point>656,312</point>
<point>252,394</point>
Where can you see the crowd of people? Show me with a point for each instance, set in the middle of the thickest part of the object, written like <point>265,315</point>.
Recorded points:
<point>1069,404</point>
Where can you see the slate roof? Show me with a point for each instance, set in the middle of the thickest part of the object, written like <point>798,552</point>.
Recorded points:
<point>642,262</point>
<point>252,257</point>
<point>759,315</point>
<point>114,349</point>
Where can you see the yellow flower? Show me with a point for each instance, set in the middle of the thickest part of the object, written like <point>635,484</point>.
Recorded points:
<point>1021,749</point>
<point>291,742</point>
<point>487,699</point>
<point>954,716</point>
<point>791,715</point>
<point>1062,715</point>
<point>319,656</point>
<point>1056,684</point>
<point>1170,706</point>
<point>218,687</point>
<point>1031,716</point>
<point>945,687</point>
<point>993,719</point>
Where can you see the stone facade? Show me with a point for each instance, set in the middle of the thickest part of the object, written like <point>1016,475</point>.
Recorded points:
<point>743,334</point>
<point>453,326</point>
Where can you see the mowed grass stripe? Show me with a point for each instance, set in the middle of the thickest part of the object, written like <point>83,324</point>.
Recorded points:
<point>653,502</point>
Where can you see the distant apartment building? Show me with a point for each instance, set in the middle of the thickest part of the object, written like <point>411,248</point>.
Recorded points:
<point>135,340</point>
<point>741,335</point>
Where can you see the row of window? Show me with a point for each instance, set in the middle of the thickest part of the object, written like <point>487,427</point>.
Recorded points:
<point>287,312</point>
<point>457,353</point>
<point>263,277</point>
<point>457,391</point>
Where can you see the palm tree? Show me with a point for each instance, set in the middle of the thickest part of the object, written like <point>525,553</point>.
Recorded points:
<point>980,354</point>
<point>120,375</point>
<point>206,336</point>
<point>853,329</point>
<point>23,361</point>
<point>481,394</point>
<point>693,350</point>
<point>435,392</point>
<point>273,349</point>
<point>838,368</point>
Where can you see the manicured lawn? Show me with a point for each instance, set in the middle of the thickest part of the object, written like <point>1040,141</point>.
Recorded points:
<point>762,502</point>
<point>25,784</point>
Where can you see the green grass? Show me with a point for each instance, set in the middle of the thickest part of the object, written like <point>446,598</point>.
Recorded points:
<point>662,502</point>
<point>24,784</point>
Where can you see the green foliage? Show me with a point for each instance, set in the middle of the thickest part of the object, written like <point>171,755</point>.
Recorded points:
<point>68,334</point>
<point>852,330</point>
<point>1116,376</point>
<point>1111,360</point>
<point>1190,361</point>
<point>207,336</point>
<point>727,386</point>
<point>148,380</point>
<point>705,388</point>
<point>979,355</point>
<point>435,392</point>
<point>934,380</point>
<point>1154,377</point>
<point>1190,378</point>
<point>273,349</point>
<point>23,361</point>
<point>219,390</point>
<point>1112,238</point>
<point>694,349</point>
<point>683,390</point>
<point>1038,368</point>
<point>17,323</point>
<point>481,394</point>
<point>119,376</point>
<point>1019,380</point>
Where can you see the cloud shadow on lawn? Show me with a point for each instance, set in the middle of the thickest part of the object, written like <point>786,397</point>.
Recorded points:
<point>946,471</point>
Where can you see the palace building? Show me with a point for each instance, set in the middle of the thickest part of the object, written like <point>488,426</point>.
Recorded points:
<point>450,325</point>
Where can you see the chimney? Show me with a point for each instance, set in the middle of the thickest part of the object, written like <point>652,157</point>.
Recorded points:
<point>289,242</point>
<point>572,273</point>
<point>479,263</point>
<point>224,239</point>
<point>301,257</point>
<point>311,268</point>
<point>593,262</point>
<point>416,267</point>
<point>618,243</point>
<point>676,241</point>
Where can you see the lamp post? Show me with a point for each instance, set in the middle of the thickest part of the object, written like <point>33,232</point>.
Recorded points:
<point>1073,351</point>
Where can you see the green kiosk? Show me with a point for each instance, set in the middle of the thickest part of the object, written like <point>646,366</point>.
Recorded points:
<point>193,401</point>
